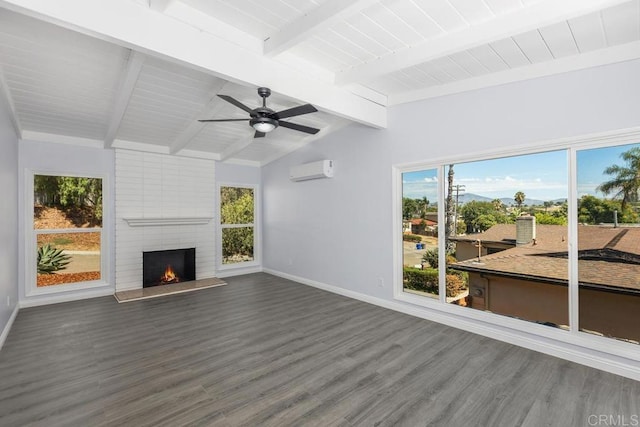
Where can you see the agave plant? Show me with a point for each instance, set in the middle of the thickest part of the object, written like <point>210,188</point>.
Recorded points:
<point>51,259</point>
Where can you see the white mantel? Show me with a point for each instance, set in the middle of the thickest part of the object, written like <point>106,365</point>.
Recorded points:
<point>162,202</point>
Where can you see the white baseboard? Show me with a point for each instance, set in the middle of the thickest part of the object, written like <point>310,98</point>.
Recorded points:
<point>571,352</point>
<point>238,272</point>
<point>56,299</point>
<point>7,328</point>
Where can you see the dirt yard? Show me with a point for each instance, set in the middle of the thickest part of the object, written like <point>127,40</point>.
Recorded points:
<point>54,218</point>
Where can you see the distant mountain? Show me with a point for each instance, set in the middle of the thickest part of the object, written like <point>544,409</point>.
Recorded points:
<point>469,197</point>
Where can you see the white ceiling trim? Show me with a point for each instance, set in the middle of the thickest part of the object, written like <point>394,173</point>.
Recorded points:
<point>28,135</point>
<point>6,96</point>
<point>321,18</point>
<point>123,95</point>
<point>620,53</point>
<point>131,25</point>
<point>537,15</point>
<point>161,149</point>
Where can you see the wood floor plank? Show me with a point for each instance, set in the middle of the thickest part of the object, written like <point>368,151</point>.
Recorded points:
<point>265,351</point>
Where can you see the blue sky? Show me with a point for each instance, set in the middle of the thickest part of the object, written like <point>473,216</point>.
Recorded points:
<point>541,176</point>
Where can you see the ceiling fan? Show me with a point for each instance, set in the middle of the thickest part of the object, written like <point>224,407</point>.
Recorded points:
<point>264,119</point>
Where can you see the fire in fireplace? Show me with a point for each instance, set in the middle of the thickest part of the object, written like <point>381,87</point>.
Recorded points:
<point>168,266</point>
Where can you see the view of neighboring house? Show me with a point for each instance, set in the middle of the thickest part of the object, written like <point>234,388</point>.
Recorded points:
<point>420,226</point>
<point>522,270</point>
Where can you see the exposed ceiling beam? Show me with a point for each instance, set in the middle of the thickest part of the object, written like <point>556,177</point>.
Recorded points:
<point>324,16</point>
<point>11,108</point>
<point>541,14</point>
<point>129,24</point>
<point>214,105</point>
<point>620,53</point>
<point>128,81</point>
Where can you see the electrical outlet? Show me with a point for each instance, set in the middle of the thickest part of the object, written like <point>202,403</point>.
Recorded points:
<point>289,261</point>
<point>8,300</point>
<point>381,282</point>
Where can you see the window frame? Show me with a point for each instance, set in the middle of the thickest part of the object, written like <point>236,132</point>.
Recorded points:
<point>257,237</point>
<point>478,321</point>
<point>31,235</point>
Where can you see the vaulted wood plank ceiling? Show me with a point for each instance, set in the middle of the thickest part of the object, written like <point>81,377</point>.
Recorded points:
<point>138,74</point>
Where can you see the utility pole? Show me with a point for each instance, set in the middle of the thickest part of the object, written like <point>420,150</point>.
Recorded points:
<point>458,189</point>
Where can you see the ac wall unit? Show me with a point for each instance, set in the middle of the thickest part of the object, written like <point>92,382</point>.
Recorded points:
<point>313,170</point>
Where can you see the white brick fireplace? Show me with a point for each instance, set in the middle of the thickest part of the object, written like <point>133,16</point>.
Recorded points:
<point>162,202</point>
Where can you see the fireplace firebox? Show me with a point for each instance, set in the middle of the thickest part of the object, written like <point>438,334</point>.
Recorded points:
<point>168,266</point>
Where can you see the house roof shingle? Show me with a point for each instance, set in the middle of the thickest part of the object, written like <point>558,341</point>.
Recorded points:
<point>546,259</point>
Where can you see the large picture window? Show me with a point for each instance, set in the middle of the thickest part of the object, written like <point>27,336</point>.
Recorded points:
<point>549,237</point>
<point>510,240</point>
<point>237,213</point>
<point>67,231</point>
<point>609,241</point>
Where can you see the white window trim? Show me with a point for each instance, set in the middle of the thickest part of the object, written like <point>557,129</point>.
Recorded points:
<point>257,232</point>
<point>30,254</point>
<point>486,321</point>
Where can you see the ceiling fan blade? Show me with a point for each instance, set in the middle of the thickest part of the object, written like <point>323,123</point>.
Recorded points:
<point>259,134</point>
<point>236,103</point>
<point>224,120</point>
<point>300,128</point>
<point>295,111</point>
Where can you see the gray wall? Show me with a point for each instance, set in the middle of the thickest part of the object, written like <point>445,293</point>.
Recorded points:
<point>8,218</point>
<point>56,158</point>
<point>339,231</point>
<point>237,174</point>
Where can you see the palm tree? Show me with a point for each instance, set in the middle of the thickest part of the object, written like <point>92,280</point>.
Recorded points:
<point>626,179</point>
<point>497,204</point>
<point>423,206</point>
<point>450,225</point>
<point>519,198</point>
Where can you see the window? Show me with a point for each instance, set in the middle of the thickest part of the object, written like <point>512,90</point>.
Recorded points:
<point>420,233</point>
<point>67,232</point>
<point>609,241</point>
<point>237,213</point>
<point>507,252</point>
<point>550,238</point>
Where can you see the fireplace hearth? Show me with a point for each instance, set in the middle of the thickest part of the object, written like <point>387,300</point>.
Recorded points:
<point>168,266</point>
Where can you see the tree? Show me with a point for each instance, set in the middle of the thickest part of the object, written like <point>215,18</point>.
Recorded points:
<point>592,210</point>
<point>519,198</point>
<point>547,218</point>
<point>484,222</point>
<point>626,179</point>
<point>236,207</point>
<point>83,194</point>
<point>409,207</point>
<point>480,216</point>
<point>423,206</point>
<point>497,204</point>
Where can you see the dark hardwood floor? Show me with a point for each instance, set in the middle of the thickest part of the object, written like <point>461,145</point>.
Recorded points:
<point>264,351</point>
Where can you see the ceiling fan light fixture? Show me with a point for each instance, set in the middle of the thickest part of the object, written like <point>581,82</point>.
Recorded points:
<point>264,124</point>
